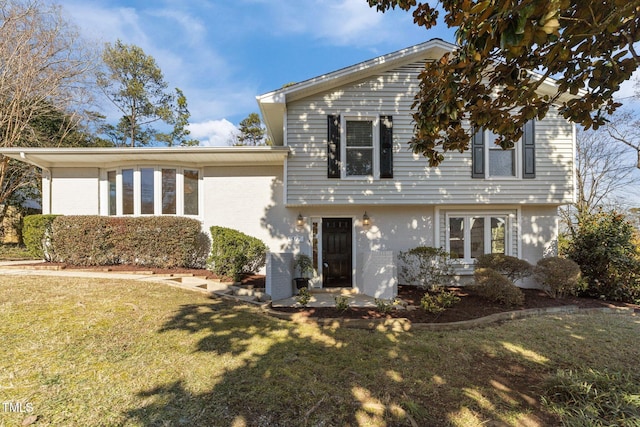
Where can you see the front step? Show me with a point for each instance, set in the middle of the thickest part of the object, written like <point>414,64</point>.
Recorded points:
<point>339,291</point>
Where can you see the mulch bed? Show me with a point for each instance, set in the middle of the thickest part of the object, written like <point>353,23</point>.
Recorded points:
<point>471,305</point>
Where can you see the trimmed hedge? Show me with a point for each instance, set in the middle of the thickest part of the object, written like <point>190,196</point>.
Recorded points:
<point>425,267</point>
<point>37,235</point>
<point>157,241</point>
<point>512,267</point>
<point>493,286</point>
<point>559,277</point>
<point>234,253</point>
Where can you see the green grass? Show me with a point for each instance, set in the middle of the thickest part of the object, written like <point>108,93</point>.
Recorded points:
<point>14,252</point>
<point>100,352</point>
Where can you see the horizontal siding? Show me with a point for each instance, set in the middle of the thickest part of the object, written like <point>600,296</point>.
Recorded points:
<point>414,181</point>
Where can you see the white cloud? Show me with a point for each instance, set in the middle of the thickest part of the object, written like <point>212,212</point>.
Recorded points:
<point>213,132</point>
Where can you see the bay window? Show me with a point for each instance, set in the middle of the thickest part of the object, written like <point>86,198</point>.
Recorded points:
<point>152,190</point>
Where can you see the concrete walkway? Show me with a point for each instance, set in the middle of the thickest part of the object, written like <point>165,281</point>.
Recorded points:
<point>319,298</point>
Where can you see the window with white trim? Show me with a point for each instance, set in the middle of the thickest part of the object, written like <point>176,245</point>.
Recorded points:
<point>472,235</point>
<point>360,145</point>
<point>151,190</point>
<point>502,163</point>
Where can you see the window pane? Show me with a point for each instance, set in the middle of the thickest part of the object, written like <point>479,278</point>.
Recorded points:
<point>146,191</point>
<point>111,178</point>
<point>477,237</point>
<point>502,162</point>
<point>359,161</point>
<point>456,237</point>
<point>168,191</point>
<point>498,235</point>
<point>359,133</point>
<point>191,192</point>
<point>127,191</point>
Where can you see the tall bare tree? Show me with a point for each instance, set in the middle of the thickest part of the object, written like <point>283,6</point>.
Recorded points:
<point>603,170</point>
<point>625,126</point>
<point>44,68</point>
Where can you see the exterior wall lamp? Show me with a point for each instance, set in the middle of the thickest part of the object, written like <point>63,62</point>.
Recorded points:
<point>366,221</point>
<point>300,221</point>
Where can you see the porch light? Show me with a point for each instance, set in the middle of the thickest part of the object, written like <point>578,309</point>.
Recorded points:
<point>366,221</point>
<point>300,221</point>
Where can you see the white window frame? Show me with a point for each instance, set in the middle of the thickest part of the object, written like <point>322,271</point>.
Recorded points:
<point>489,144</point>
<point>375,119</point>
<point>157,190</point>
<point>486,215</point>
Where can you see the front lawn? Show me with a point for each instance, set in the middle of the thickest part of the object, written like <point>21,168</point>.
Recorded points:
<point>101,352</point>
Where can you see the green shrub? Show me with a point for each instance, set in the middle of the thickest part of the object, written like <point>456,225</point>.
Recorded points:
<point>383,306</point>
<point>593,398</point>
<point>493,286</point>
<point>304,296</point>
<point>512,267</point>
<point>425,267</point>
<point>156,241</point>
<point>234,253</point>
<point>438,301</point>
<point>604,248</point>
<point>342,302</point>
<point>559,277</point>
<point>37,236</point>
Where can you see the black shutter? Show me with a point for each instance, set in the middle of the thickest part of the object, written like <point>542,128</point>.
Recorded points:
<point>477,154</point>
<point>529,151</point>
<point>333,146</point>
<point>386,147</point>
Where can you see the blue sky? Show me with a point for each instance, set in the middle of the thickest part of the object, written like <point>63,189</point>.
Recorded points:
<point>224,53</point>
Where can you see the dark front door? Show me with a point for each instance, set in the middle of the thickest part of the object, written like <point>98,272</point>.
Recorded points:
<point>336,252</point>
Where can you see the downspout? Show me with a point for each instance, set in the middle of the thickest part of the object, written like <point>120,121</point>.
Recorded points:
<point>46,173</point>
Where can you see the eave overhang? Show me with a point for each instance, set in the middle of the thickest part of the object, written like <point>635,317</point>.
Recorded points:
<point>177,156</point>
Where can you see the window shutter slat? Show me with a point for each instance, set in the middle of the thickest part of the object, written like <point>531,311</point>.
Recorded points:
<point>386,147</point>
<point>529,151</point>
<point>477,154</point>
<point>333,146</point>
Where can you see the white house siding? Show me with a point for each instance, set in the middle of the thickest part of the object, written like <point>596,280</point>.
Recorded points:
<point>391,229</point>
<point>249,199</point>
<point>414,182</point>
<point>539,230</point>
<point>74,191</point>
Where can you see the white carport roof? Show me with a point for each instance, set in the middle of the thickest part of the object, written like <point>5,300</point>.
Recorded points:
<point>111,157</point>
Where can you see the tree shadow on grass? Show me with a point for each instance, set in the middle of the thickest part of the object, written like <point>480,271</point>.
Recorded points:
<point>269,372</point>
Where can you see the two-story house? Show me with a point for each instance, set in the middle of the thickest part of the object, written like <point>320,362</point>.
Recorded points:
<point>340,183</point>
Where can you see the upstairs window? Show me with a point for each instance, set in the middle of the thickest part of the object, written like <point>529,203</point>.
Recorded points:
<point>500,163</point>
<point>360,147</point>
<point>491,161</point>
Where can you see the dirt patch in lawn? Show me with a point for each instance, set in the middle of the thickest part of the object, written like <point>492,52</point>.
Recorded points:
<point>470,306</point>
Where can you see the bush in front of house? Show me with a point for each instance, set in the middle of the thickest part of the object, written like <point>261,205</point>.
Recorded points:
<point>603,246</point>
<point>512,267</point>
<point>559,277</point>
<point>155,241</point>
<point>439,300</point>
<point>234,253</point>
<point>37,236</point>
<point>492,285</point>
<point>425,267</point>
